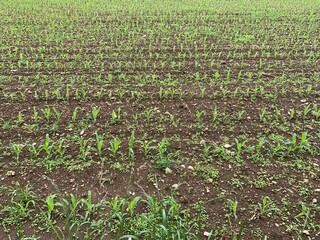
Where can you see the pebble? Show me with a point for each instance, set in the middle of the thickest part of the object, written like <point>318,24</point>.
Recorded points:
<point>168,170</point>
<point>190,168</point>
<point>227,145</point>
<point>306,232</point>
<point>11,173</point>
<point>175,186</point>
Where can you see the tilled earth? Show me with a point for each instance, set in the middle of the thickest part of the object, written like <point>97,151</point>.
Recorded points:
<point>217,116</point>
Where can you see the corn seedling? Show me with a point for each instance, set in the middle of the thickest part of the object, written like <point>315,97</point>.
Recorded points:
<point>114,146</point>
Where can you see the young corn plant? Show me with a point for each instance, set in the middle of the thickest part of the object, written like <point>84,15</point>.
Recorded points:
<point>34,151</point>
<point>316,112</point>
<point>48,147</point>
<point>306,110</point>
<point>114,146</point>
<point>266,207</point>
<point>131,143</point>
<point>148,113</point>
<point>305,217</point>
<point>84,148</point>
<point>60,149</point>
<point>256,151</point>
<point>67,93</point>
<point>58,115</point>
<point>75,212</point>
<point>164,159</point>
<point>207,151</point>
<point>35,115</point>
<point>17,148</point>
<point>147,147</point>
<point>215,114</point>
<point>47,113</point>
<point>50,205</point>
<point>199,115</point>
<point>304,144</point>
<point>74,115</point>
<point>203,90</point>
<point>95,112</point>
<point>239,146</point>
<point>20,119</point>
<point>292,113</point>
<point>100,142</point>
<point>232,206</point>
<point>20,205</point>
<point>240,115</point>
<point>163,93</point>
<point>116,116</point>
<point>260,145</point>
<point>293,145</point>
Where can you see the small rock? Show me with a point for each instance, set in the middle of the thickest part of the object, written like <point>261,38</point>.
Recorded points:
<point>277,225</point>
<point>11,173</point>
<point>206,234</point>
<point>168,170</point>
<point>303,100</point>
<point>317,190</point>
<point>205,129</point>
<point>175,186</point>
<point>289,190</point>
<point>227,145</point>
<point>306,232</point>
<point>190,168</point>
<point>72,180</point>
<point>210,180</point>
<point>314,200</point>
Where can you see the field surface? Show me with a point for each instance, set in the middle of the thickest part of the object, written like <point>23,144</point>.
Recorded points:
<point>160,119</point>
